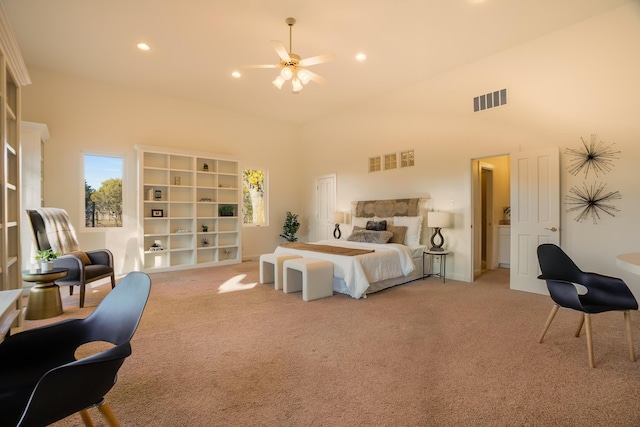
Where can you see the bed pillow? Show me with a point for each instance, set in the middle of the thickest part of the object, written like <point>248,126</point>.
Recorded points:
<point>399,233</point>
<point>414,228</point>
<point>370,236</point>
<point>377,225</point>
<point>358,221</point>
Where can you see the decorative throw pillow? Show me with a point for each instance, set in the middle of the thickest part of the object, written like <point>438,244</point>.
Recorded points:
<point>414,228</point>
<point>377,225</point>
<point>84,258</point>
<point>370,236</point>
<point>399,233</point>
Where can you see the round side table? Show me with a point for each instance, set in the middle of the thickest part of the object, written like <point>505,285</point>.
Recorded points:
<point>44,298</point>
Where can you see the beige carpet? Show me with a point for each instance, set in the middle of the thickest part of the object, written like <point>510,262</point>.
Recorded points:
<point>422,354</point>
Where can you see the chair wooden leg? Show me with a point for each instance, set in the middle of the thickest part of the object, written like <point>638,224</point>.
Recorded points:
<point>108,414</point>
<point>627,321</point>
<point>554,310</point>
<point>113,281</point>
<point>580,325</point>
<point>82,292</point>
<point>587,321</point>
<point>86,418</point>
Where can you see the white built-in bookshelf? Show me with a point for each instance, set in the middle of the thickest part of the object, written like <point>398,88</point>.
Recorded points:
<point>189,209</point>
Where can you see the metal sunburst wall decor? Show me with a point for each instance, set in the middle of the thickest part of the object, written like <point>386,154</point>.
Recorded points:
<point>590,201</point>
<point>595,156</point>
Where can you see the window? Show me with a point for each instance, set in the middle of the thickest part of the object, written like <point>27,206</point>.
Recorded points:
<point>102,191</point>
<point>254,197</point>
<point>390,161</point>
<point>406,158</point>
<point>374,164</point>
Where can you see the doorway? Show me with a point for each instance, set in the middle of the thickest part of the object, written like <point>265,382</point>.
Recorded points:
<point>491,197</point>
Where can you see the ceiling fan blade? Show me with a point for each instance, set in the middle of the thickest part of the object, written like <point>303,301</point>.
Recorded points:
<point>260,66</point>
<point>315,77</point>
<point>317,60</point>
<point>281,50</point>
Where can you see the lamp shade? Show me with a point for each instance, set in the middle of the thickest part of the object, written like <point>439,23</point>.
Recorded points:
<point>338,217</point>
<point>439,219</point>
<point>297,86</point>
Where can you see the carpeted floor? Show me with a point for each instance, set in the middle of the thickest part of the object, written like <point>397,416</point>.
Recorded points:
<point>216,348</point>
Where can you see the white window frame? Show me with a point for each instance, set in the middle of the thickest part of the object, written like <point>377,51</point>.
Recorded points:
<point>265,186</point>
<point>123,157</point>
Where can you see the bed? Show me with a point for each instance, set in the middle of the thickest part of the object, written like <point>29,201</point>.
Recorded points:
<point>385,264</point>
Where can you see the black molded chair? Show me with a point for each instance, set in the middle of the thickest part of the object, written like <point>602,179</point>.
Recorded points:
<point>99,264</point>
<point>603,293</point>
<point>41,380</point>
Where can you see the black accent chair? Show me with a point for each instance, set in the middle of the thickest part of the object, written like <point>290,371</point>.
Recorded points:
<point>80,272</point>
<point>603,293</point>
<point>42,382</point>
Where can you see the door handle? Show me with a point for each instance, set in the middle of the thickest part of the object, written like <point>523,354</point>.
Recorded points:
<point>552,229</point>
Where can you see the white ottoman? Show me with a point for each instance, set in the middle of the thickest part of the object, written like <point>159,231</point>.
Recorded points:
<point>313,276</point>
<point>271,268</point>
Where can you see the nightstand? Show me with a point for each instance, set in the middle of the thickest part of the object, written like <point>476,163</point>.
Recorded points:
<point>443,264</point>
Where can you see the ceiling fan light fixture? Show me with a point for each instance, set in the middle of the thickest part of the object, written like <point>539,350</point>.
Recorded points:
<point>304,76</point>
<point>297,86</point>
<point>291,66</point>
<point>278,82</point>
<point>286,73</point>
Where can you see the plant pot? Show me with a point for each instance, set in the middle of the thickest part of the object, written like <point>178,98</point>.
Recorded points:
<point>46,266</point>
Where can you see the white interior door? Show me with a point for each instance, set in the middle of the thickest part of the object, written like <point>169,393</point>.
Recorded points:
<point>535,213</point>
<point>325,206</point>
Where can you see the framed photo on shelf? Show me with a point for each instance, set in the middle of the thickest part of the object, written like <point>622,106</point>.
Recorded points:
<point>158,195</point>
<point>157,213</point>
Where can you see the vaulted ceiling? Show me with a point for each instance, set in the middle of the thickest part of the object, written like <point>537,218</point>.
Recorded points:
<point>197,44</point>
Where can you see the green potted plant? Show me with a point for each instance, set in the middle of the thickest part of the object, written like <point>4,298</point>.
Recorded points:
<point>46,258</point>
<point>290,228</point>
<point>226,210</point>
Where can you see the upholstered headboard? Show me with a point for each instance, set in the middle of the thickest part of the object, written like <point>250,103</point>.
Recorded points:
<point>390,207</point>
<point>387,208</point>
<point>409,208</point>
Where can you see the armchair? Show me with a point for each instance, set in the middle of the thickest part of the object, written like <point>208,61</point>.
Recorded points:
<point>84,267</point>
<point>603,293</point>
<point>42,382</point>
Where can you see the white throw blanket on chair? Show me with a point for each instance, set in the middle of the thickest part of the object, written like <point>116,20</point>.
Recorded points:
<point>59,230</point>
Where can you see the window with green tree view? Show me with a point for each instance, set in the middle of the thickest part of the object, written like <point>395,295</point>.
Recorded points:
<point>254,197</point>
<point>102,191</point>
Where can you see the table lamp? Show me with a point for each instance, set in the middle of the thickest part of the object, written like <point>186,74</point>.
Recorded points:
<point>438,221</point>
<point>338,217</point>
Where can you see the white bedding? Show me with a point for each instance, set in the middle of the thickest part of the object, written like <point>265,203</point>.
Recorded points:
<point>353,274</point>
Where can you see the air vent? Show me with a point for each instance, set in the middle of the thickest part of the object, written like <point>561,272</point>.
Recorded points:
<point>490,100</point>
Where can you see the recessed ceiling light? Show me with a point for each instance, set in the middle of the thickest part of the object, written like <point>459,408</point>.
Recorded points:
<point>361,57</point>
<point>143,46</point>
<point>236,74</point>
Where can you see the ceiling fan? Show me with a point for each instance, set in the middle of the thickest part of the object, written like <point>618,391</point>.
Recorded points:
<point>292,66</point>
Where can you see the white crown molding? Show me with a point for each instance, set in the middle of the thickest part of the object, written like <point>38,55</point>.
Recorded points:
<point>41,128</point>
<point>9,45</point>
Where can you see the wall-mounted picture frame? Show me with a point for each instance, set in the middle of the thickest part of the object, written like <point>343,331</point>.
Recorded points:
<point>157,194</point>
<point>157,213</point>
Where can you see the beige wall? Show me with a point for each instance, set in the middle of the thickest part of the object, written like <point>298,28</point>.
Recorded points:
<point>570,84</point>
<point>88,116</point>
